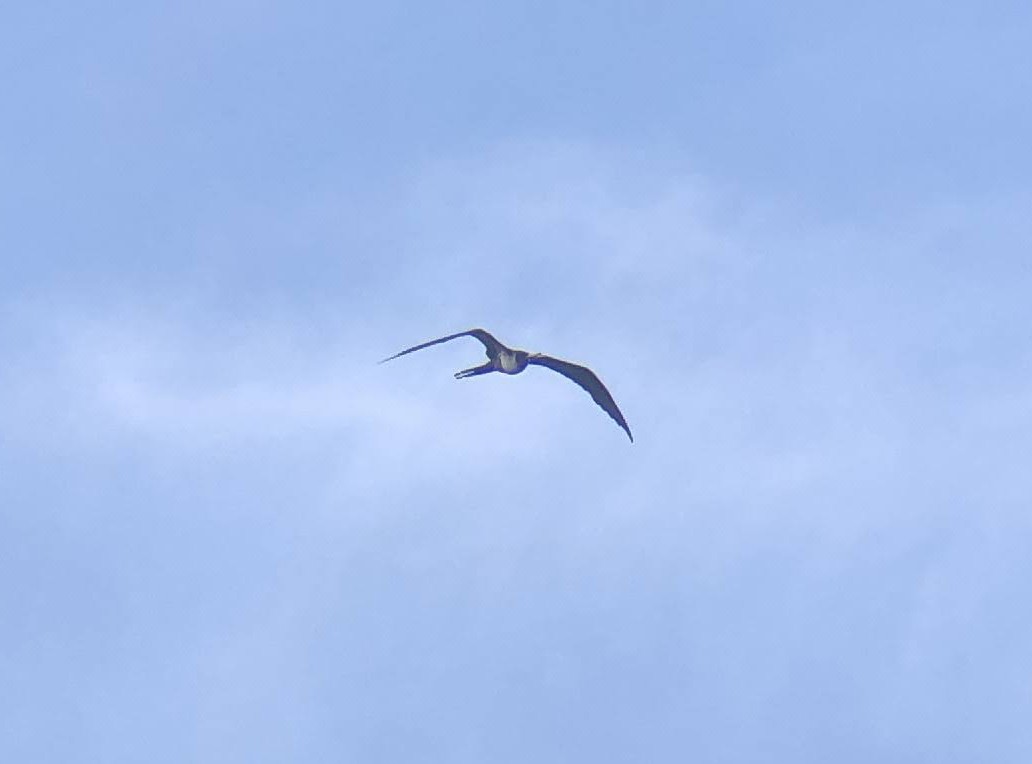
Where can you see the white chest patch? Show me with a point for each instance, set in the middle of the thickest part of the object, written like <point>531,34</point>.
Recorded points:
<point>507,362</point>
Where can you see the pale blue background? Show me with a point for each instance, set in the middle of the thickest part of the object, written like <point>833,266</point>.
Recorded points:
<point>793,238</point>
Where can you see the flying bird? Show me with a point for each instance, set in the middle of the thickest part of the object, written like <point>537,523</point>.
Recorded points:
<point>509,361</point>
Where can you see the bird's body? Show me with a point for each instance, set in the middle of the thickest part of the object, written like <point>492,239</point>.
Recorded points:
<point>509,361</point>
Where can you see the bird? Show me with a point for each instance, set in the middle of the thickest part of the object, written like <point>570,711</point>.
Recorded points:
<point>509,361</point>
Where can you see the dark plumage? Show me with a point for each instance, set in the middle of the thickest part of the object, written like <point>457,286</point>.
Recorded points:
<point>509,361</point>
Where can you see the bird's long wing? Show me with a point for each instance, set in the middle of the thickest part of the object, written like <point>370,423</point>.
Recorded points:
<point>587,379</point>
<point>490,343</point>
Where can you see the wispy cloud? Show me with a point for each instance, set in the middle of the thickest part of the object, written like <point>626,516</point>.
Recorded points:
<point>808,421</point>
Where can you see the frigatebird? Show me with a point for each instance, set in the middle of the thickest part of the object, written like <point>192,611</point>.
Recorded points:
<point>509,361</point>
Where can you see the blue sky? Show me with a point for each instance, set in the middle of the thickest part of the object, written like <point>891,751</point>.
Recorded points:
<point>792,238</point>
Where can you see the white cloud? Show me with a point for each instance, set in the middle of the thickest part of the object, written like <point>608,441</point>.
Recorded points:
<point>739,344</point>
<point>803,421</point>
